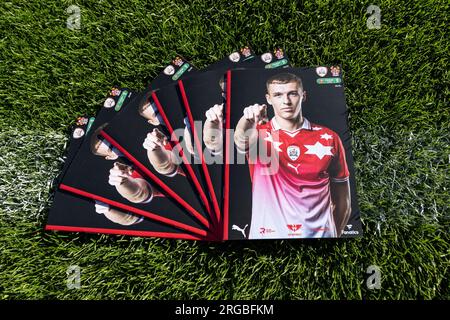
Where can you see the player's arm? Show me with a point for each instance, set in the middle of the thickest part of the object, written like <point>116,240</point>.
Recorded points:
<point>116,216</point>
<point>212,130</point>
<point>340,196</point>
<point>246,135</point>
<point>135,190</point>
<point>160,158</point>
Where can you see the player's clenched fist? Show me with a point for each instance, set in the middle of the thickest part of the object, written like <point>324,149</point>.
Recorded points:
<point>155,140</point>
<point>119,174</point>
<point>215,113</point>
<point>256,113</point>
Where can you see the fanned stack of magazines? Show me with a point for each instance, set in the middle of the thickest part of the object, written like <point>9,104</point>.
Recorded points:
<point>247,148</point>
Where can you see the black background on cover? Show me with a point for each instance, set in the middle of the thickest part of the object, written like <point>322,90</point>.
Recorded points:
<point>325,105</point>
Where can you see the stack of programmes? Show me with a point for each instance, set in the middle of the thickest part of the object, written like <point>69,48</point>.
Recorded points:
<point>248,148</point>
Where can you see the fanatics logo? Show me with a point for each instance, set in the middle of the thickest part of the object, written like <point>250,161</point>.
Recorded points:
<point>293,152</point>
<point>321,71</point>
<point>349,230</point>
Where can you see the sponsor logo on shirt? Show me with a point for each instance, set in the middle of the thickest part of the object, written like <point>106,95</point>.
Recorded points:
<point>320,229</point>
<point>295,228</point>
<point>263,231</point>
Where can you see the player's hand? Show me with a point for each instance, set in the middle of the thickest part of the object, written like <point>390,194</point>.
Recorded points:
<point>256,113</point>
<point>215,113</point>
<point>119,174</point>
<point>155,140</point>
<point>101,207</point>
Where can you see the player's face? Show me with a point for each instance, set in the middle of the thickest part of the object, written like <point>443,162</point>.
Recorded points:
<point>285,99</point>
<point>150,114</point>
<point>106,150</point>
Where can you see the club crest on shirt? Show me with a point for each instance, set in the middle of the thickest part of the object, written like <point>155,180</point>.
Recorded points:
<point>321,71</point>
<point>293,152</point>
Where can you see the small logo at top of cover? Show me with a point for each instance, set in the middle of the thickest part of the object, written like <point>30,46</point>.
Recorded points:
<point>278,53</point>
<point>169,70</point>
<point>267,57</point>
<point>78,133</point>
<point>335,71</point>
<point>245,51</point>
<point>178,61</point>
<point>321,71</point>
<point>115,92</point>
<point>234,57</point>
<point>109,103</point>
<point>81,121</point>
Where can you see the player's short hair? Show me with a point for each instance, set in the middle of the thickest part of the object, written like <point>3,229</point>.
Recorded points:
<point>282,78</point>
<point>144,103</point>
<point>95,140</point>
<point>222,83</point>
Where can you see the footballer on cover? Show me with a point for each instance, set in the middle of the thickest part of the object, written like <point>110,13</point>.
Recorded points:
<point>203,98</point>
<point>289,168</point>
<point>70,212</point>
<point>101,172</point>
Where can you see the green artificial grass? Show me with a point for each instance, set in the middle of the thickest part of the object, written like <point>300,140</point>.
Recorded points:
<point>397,87</point>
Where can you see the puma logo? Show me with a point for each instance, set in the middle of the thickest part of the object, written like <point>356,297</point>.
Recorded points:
<point>294,167</point>
<point>235,227</point>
